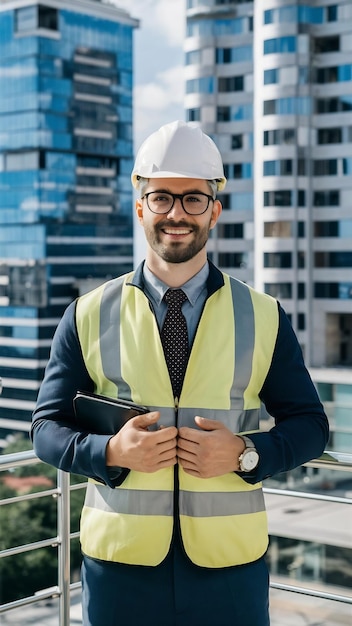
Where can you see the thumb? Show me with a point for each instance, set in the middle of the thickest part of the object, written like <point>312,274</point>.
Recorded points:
<point>207,424</point>
<point>146,419</point>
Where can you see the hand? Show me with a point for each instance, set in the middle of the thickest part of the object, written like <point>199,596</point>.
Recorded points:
<point>136,448</point>
<point>213,451</point>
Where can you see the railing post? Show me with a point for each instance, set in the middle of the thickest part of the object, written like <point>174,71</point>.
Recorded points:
<point>63,510</point>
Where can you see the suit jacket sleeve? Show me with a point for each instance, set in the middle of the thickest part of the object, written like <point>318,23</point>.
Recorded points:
<point>301,427</point>
<point>56,439</point>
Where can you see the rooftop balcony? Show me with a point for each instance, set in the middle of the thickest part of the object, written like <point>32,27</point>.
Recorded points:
<point>309,554</point>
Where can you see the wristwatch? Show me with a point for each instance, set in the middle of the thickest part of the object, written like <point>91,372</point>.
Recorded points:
<point>249,458</point>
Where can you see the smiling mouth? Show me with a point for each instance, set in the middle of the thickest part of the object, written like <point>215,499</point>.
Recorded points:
<point>176,231</point>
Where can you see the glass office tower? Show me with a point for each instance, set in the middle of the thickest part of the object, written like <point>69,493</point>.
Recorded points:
<point>65,161</point>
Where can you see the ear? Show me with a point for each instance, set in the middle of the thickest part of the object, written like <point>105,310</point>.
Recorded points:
<point>139,210</point>
<point>216,212</point>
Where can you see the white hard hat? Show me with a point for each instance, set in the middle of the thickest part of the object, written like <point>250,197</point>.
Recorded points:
<point>178,150</point>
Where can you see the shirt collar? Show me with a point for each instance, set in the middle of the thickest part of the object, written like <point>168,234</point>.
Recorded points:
<point>192,288</point>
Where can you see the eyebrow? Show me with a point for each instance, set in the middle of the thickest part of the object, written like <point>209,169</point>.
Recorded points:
<point>164,190</point>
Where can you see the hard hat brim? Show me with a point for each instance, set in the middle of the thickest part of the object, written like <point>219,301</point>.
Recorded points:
<point>221,182</point>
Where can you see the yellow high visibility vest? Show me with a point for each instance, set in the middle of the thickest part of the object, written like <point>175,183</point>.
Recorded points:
<point>222,519</point>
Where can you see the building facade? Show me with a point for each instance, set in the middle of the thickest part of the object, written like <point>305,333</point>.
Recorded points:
<point>66,154</point>
<point>271,82</point>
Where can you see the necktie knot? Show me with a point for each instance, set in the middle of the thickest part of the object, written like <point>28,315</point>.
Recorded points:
<point>175,297</point>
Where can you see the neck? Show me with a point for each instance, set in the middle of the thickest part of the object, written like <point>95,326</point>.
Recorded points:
<point>175,274</point>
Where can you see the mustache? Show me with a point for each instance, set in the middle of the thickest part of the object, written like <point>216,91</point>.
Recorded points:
<point>171,224</point>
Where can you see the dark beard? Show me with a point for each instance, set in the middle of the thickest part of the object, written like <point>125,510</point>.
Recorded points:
<point>176,253</point>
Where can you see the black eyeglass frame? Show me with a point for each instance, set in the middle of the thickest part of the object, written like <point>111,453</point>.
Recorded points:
<point>179,196</point>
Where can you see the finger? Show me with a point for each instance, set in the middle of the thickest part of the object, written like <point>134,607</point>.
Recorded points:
<point>145,419</point>
<point>189,434</point>
<point>207,424</point>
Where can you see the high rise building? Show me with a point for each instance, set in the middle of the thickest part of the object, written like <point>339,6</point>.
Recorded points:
<point>271,82</point>
<point>65,159</point>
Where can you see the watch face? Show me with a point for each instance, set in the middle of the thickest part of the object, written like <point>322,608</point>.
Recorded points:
<point>250,460</point>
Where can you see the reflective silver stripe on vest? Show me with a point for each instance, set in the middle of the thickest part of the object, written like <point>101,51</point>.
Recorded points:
<point>244,341</point>
<point>236,421</point>
<point>110,336</point>
<point>129,501</point>
<point>199,504</point>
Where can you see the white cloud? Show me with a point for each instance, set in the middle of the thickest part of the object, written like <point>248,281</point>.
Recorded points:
<point>166,16</point>
<point>158,102</point>
<point>158,63</point>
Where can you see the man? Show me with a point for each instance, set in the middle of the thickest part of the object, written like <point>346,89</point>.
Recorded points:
<point>173,529</point>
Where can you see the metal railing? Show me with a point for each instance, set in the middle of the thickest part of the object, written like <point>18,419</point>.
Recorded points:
<point>330,460</point>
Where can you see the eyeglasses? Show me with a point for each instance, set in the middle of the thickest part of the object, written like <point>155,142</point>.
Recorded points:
<point>161,202</point>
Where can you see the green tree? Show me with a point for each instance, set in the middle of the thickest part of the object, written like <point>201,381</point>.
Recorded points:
<point>30,521</point>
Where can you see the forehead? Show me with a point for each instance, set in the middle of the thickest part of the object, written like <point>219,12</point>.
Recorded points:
<point>178,185</point>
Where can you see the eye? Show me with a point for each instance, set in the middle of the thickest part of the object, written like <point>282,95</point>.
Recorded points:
<point>193,198</point>
<point>160,197</point>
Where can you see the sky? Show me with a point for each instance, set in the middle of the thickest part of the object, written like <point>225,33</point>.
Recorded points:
<point>158,63</point>
<point>158,74</point>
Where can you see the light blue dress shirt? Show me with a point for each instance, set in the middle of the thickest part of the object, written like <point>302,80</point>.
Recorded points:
<point>195,289</point>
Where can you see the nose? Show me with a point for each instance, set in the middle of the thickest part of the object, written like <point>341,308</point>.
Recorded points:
<point>177,210</point>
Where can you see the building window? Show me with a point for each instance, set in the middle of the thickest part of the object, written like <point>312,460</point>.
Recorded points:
<point>225,199</point>
<point>279,290</point>
<point>301,259</point>
<point>301,14</point>
<point>278,259</point>
<point>238,170</point>
<point>27,285</point>
<point>205,84</point>
<point>329,135</point>
<point>301,291</point>
<point>326,229</point>
<point>193,115</point>
<point>301,321</point>
<point>338,73</point>
<point>236,142</point>
<point>325,75</point>
<point>223,114</point>
<point>279,229</point>
<point>325,167</point>
<point>242,201</point>
<point>230,231</point>
<point>280,45</point>
<point>301,229</point>
<point>17,161</point>
<point>31,18</point>
<point>235,113</point>
<point>271,76</point>
<point>326,198</point>
<point>279,136</point>
<point>334,105</point>
<point>340,291</point>
<point>194,57</point>
<point>234,55</point>
<point>331,13</point>
<point>230,83</point>
<point>341,229</point>
<point>280,197</point>
<point>323,45</point>
<point>280,167</point>
<point>300,105</point>
<point>347,166</point>
<point>233,259</point>
<point>342,259</point>
<point>302,166</point>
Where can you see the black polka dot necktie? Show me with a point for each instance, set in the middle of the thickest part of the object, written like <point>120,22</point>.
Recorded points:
<point>174,338</point>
